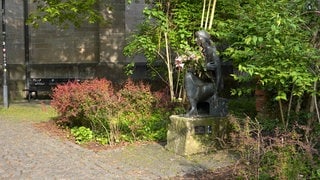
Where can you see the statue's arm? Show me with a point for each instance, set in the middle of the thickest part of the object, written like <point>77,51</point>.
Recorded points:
<point>211,66</point>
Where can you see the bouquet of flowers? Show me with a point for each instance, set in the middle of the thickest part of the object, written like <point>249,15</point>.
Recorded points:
<point>191,61</point>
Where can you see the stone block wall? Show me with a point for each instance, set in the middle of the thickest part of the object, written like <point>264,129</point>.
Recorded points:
<point>14,48</point>
<point>94,50</point>
<point>49,45</point>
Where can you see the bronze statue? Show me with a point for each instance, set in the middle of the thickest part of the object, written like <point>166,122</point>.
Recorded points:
<point>200,92</point>
<point>213,63</point>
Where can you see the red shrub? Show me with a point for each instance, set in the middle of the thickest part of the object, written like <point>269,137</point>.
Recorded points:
<point>77,101</point>
<point>127,114</point>
<point>136,97</point>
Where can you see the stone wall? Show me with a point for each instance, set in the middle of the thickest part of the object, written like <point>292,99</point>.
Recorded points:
<point>88,52</point>
<point>14,48</point>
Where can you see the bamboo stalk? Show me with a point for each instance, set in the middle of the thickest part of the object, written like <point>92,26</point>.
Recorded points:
<point>208,12</point>
<point>212,13</point>
<point>203,13</point>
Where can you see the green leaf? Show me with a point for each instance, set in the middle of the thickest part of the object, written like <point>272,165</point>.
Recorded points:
<point>281,96</point>
<point>254,40</point>
<point>247,40</point>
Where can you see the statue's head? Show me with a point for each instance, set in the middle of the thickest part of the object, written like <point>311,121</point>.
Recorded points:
<point>203,38</point>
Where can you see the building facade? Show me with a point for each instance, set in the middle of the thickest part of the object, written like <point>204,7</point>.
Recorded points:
<point>91,51</point>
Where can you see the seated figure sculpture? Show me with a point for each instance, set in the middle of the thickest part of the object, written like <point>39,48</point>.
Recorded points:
<point>200,91</point>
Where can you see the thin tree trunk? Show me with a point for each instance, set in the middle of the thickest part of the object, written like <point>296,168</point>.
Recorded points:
<point>298,106</point>
<point>281,113</point>
<point>169,67</point>
<point>317,108</point>
<point>314,103</point>
<point>289,107</point>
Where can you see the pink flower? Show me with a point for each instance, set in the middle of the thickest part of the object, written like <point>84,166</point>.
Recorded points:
<point>179,62</point>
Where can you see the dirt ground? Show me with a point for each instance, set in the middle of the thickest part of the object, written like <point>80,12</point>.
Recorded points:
<point>52,129</point>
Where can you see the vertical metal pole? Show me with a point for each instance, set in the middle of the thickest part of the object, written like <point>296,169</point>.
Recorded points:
<point>26,40</point>
<point>4,53</point>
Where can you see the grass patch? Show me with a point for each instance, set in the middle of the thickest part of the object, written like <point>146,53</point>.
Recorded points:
<point>34,112</point>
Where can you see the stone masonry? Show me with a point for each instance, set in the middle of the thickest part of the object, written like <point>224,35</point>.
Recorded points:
<point>88,52</point>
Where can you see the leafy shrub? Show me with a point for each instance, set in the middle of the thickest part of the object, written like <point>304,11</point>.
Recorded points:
<point>136,104</point>
<point>132,113</point>
<point>82,134</point>
<point>280,155</point>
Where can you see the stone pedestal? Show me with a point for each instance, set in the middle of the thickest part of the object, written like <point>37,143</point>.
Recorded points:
<point>192,135</point>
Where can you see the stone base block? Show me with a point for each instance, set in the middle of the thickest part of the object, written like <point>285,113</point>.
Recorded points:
<point>192,135</point>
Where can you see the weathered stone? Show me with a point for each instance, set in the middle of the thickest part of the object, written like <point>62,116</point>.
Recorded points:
<point>192,135</point>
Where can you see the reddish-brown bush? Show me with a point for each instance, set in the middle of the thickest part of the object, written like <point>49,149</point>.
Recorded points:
<point>132,113</point>
<point>77,103</point>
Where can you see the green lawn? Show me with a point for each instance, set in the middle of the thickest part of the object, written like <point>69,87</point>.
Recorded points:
<point>34,111</point>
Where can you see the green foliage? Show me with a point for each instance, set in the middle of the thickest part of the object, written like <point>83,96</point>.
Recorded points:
<point>101,139</point>
<point>82,134</point>
<point>139,117</point>
<point>315,174</point>
<point>275,47</point>
<point>136,107</point>
<point>271,44</point>
<point>269,41</point>
<point>285,161</point>
<point>152,128</point>
<point>129,68</point>
<point>64,13</point>
<point>166,33</point>
<point>242,106</point>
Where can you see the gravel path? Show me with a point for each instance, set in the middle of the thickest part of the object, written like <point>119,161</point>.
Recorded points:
<point>26,153</point>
